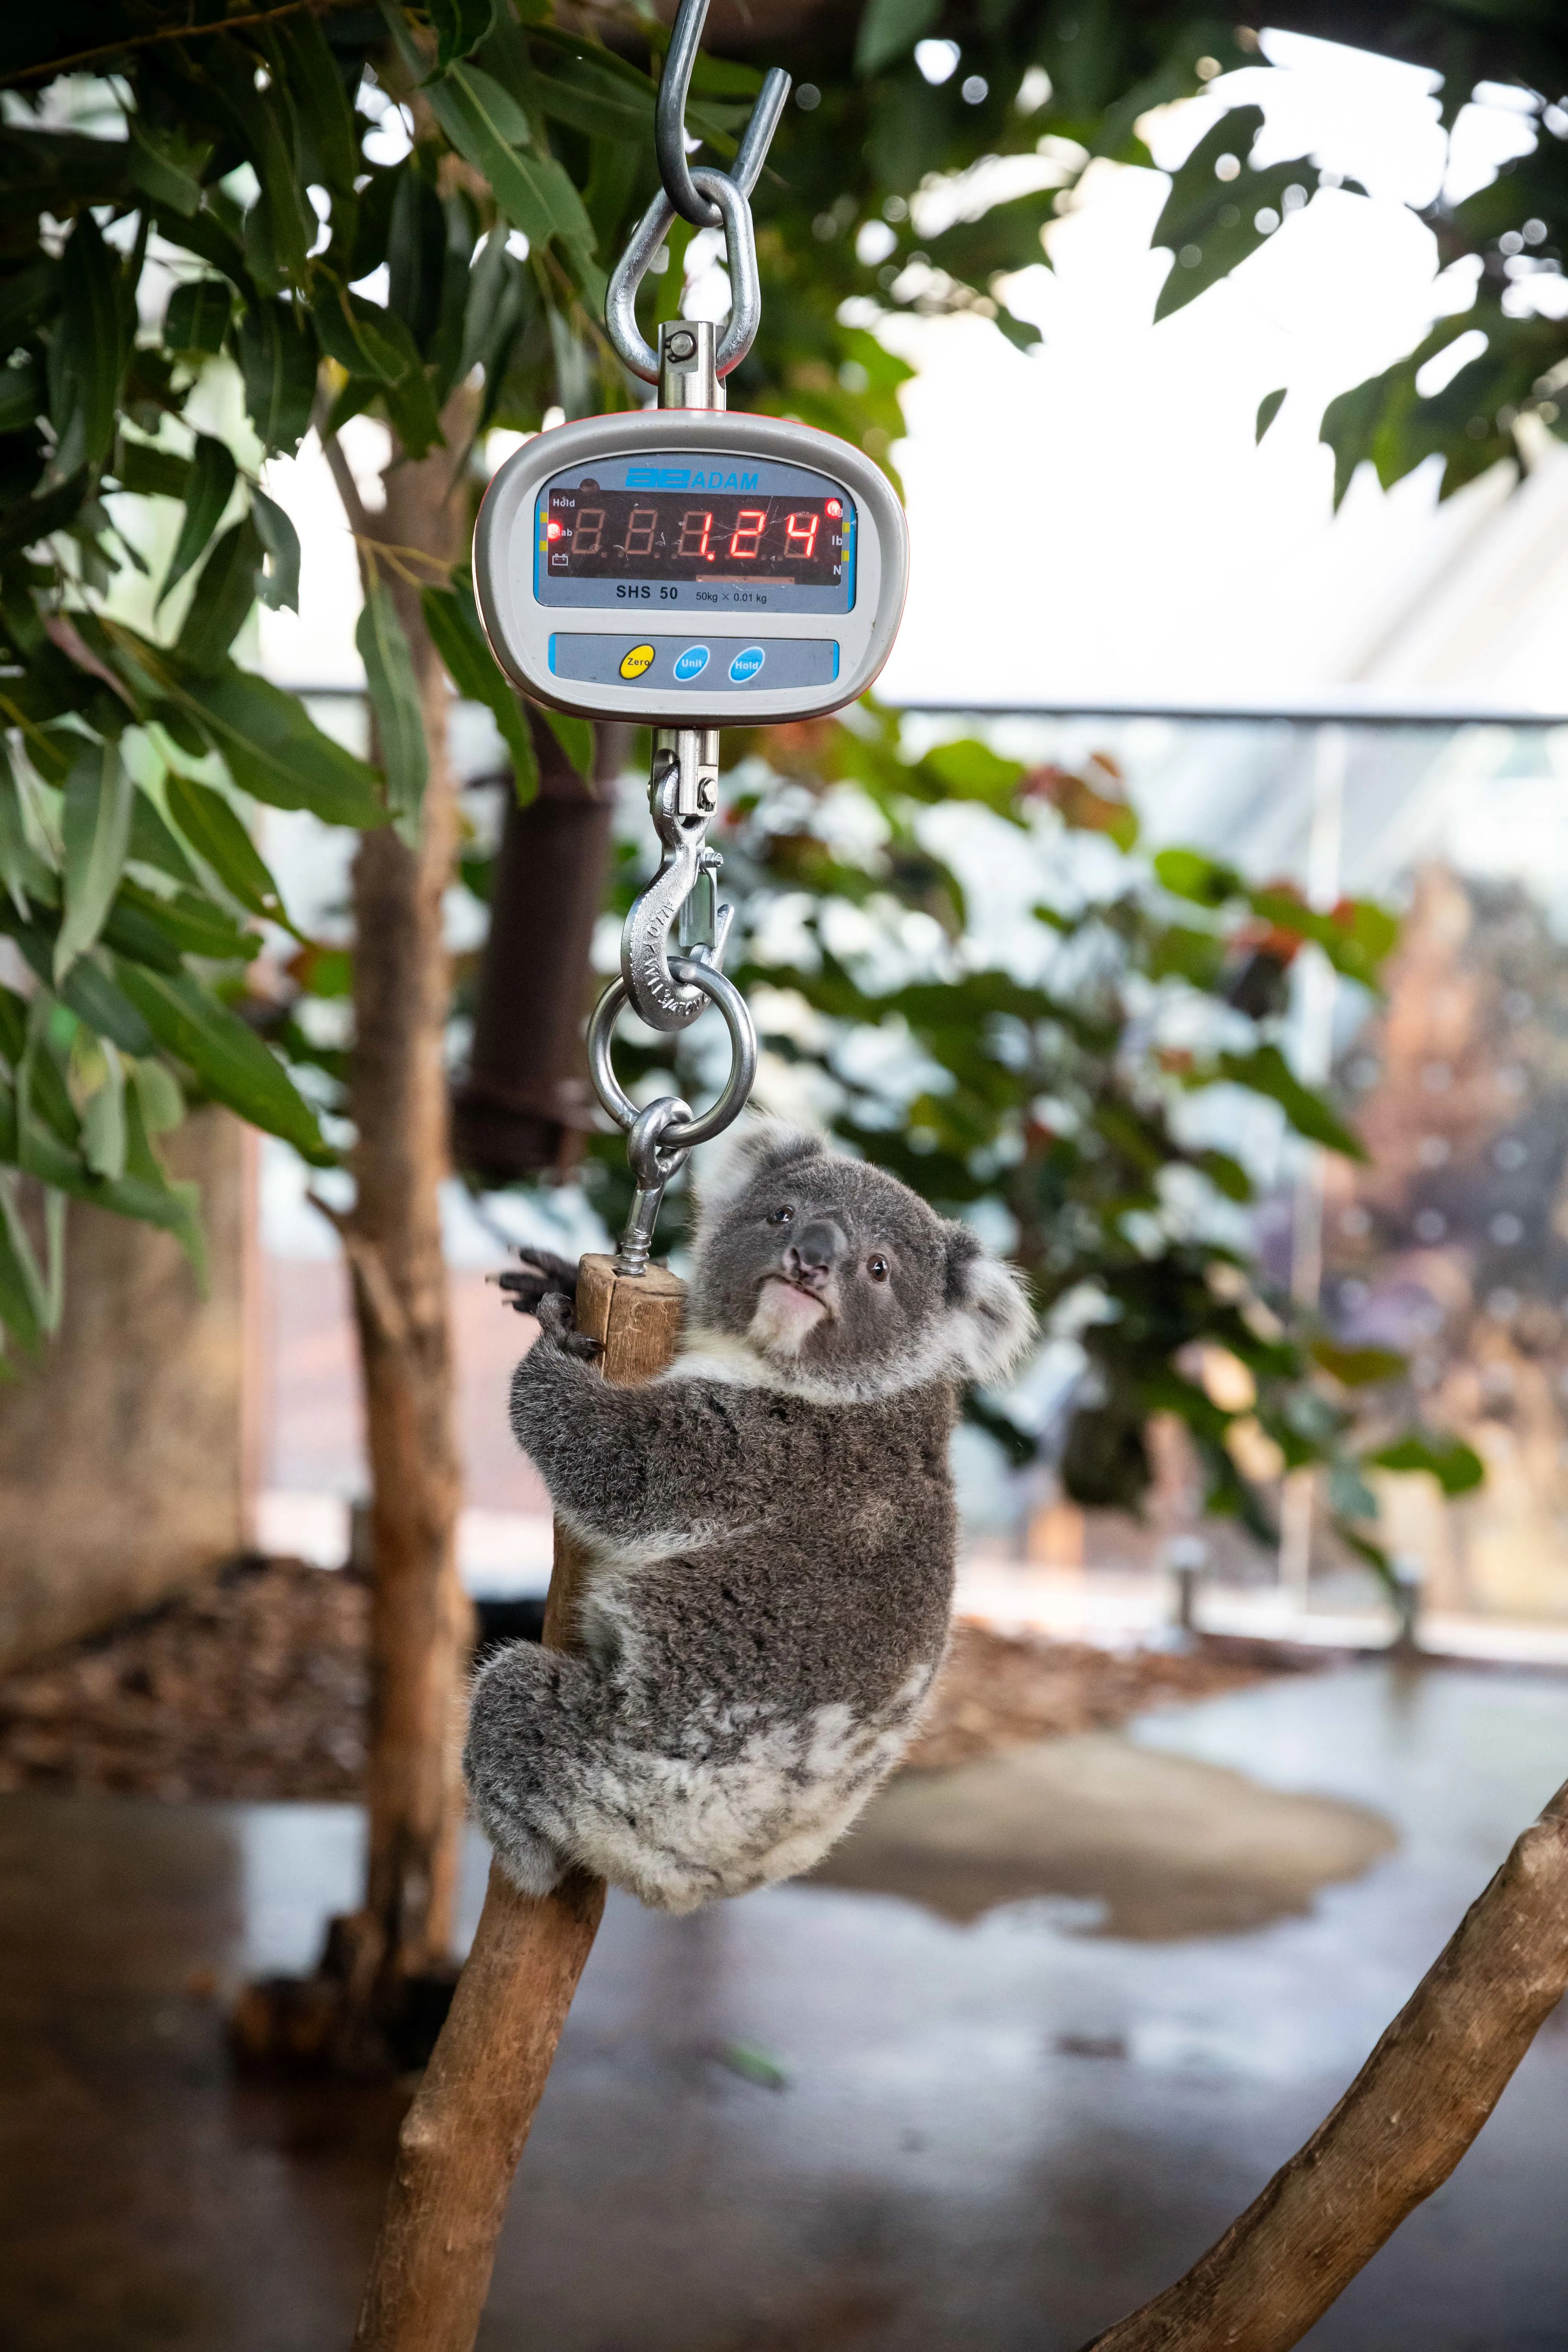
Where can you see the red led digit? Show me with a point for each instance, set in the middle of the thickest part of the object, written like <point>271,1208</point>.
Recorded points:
<point>641,524</point>
<point>590,531</point>
<point>800,535</point>
<point>750,524</point>
<point>695,527</point>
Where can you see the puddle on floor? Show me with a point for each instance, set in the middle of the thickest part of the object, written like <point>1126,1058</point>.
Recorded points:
<point>1165,1846</point>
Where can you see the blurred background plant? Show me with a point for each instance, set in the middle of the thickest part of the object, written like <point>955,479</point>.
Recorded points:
<point>970,971</point>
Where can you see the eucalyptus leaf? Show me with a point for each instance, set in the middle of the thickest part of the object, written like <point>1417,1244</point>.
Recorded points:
<point>212,826</point>
<point>150,473</point>
<point>486,126</point>
<point>103,1120</point>
<point>280,587</point>
<point>575,737</point>
<point>22,394</point>
<point>394,705</point>
<point>228,1058</point>
<point>96,832</point>
<point>87,351</point>
<point>270,745</point>
<point>1265,1071</point>
<point>460,26</point>
<point>20,865</point>
<point>167,166</point>
<point>277,359</point>
<point>889,29</point>
<point>452,618</point>
<point>198,315</point>
<point>209,486</point>
<point>23,1290</point>
<point>152,844</point>
<point>224,599</point>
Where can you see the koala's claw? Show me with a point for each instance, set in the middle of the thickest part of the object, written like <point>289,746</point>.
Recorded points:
<point>541,1275</point>
<point>557,1326</point>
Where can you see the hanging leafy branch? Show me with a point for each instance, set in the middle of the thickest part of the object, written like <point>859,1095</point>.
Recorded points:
<point>1223,206</point>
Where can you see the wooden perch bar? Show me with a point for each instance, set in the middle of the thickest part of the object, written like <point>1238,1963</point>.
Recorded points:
<point>465,2132</point>
<point>1398,2132</point>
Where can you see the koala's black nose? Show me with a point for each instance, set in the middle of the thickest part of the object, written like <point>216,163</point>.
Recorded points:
<point>813,1252</point>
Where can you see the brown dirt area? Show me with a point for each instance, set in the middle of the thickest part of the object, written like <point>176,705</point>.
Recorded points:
<point>255,1688</point>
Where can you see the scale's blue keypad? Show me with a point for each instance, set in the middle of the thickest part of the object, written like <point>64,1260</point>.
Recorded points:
<point>713,663</point>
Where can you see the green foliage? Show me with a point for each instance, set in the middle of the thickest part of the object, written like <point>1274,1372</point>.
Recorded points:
<point>1077,1087</point>
<point>1513,229</point>
<point>395,705</point>
<point>1211,224</point>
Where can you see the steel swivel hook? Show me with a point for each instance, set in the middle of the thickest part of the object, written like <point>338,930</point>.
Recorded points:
<point>683,795</point>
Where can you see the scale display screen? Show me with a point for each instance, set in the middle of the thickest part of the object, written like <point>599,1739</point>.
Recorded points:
<point>761,538</point>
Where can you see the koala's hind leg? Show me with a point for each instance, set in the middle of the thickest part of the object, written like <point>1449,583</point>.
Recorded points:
<point>538,1718</point>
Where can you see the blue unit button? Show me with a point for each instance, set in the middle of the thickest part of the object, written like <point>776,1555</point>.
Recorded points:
<point>691,663</point>
<point>746,665</point>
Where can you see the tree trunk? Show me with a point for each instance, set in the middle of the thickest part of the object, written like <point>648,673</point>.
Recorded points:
<point>421,1624</point>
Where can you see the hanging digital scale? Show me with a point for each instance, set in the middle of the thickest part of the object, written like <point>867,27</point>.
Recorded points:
<point>687,570</point>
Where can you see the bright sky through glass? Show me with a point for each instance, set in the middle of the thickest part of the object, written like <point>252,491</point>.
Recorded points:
<point>1135,542</point>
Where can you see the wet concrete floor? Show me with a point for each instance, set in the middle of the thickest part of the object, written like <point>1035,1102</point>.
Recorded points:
<point>824,2117</point>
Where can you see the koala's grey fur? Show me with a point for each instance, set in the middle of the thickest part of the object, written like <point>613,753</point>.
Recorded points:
<point>770,1531</point>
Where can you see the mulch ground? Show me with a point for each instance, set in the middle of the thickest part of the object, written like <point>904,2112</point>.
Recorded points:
<point>255,1686</point>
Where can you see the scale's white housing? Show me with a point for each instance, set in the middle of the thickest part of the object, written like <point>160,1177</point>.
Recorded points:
<point>755,660</point>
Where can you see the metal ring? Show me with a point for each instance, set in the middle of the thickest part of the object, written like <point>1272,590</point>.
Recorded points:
<point>745,286</point>
<point>743,1047</point>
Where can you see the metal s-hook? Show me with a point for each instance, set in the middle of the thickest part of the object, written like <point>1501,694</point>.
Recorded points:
<point>703,197</point>
<point>669,121</point>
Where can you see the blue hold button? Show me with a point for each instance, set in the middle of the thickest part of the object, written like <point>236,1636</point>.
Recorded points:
<point>691,663</point>
<point>746,665</point>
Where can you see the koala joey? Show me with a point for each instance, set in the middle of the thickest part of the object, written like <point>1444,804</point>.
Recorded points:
<point>770,1534</point>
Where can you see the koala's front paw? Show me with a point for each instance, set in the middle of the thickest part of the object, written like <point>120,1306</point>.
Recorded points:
<point>558,1330</point>
<point>541,1275</point>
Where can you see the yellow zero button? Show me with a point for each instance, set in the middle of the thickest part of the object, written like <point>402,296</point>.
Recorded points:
<point>633,664</point>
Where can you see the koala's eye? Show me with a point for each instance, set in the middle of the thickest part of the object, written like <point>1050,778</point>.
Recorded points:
<point>877,1268</point>
<point>781,1217</point>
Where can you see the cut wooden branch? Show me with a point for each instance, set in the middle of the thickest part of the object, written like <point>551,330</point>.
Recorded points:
<point>1398,2132</point>
<point>462,2136</point>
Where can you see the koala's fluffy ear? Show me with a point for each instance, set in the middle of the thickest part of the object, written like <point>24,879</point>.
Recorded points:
<point>756,1147</point>
<point>989,1314</point>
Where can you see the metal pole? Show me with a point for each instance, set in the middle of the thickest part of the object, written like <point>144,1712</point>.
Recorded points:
<point>1314,1055</point>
